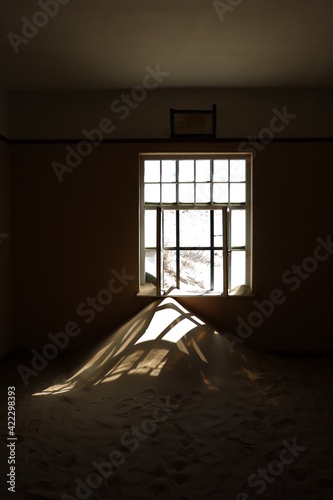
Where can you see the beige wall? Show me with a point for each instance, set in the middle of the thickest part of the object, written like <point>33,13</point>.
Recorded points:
<point>6,339</point>
<point>240,112</point>
<point>70,235</point>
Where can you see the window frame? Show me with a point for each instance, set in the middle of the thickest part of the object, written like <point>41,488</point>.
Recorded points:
<point>226,209</point>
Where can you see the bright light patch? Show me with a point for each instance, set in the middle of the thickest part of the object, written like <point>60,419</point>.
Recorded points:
<point>151,362</point>
<point>160,321</point>
<point>56,389</point>
<point>179,330</point>
<point>171,301</point>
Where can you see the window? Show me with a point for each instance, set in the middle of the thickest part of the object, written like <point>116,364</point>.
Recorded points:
<point>195,223</point>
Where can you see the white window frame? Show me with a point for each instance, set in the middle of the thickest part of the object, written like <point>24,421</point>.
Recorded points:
<point>225,207</point>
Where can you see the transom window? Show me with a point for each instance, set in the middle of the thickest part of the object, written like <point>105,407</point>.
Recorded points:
<point>195,223</point>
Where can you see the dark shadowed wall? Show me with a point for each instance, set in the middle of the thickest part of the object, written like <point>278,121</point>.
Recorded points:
<point>6,338</point>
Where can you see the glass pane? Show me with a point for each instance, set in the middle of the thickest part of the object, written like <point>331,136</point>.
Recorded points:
<point>194,227</point>
<point>168,170</point>
<point>202,170</point>
<point>169,228</point>
<point>186,193</point>
<point>237,170</point>
<point>238,228</point>
<point>194,269</point>
<point>186,170</point>
<point>237,268</point>
<point>220,171</point>
<point>152,193</point>
<point>169,265</point>
<point>150,228</point>
<point>218,228</point>
<point>152,171</point>
<point>150,266</point>
<point>237,193</point>
<point>169,193</point>
<point>218,270</point>
<point>220,193</point>
<point>202,192</point>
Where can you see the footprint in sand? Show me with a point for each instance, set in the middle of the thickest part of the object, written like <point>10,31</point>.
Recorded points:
<point>36,459</point>
<point>299,475</point>
<point>160,489</point>
<point>63,460</point>
<point>246,449</point>
<point>179,465</point>
<point>180,479</point>
<point>147,394</point>
<point>126,408</point>
<point>186,445</point>
<point>190,402</point>
<point>34,424</point>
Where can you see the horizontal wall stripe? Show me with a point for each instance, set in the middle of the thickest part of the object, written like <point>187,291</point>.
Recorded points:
<point>170,141</point>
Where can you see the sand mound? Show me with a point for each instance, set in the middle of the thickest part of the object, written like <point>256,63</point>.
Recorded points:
<point>163,410</point>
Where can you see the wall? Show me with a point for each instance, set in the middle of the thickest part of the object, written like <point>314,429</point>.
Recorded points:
<point>6,339</point>
<point>70,235</point>
<point>240,112</point>
<point>4,113</point>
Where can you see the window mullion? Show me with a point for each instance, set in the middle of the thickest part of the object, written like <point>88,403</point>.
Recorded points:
<point>177,251</point>
<point>158,250</point>
<point>225,251</point>
<point>212,249</point>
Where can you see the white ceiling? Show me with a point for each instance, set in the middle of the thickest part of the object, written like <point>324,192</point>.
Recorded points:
<point>105,44</point>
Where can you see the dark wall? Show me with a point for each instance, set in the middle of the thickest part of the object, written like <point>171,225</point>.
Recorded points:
<point>69,236</point>
<point>6,339</point>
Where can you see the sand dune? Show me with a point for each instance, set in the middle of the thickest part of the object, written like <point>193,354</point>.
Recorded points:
<point>161,409</point>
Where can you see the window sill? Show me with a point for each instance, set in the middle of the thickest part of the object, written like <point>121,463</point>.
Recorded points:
<point>149,290</point>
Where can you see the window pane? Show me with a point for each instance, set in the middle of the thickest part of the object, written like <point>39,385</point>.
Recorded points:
<point>218,270</point>
<point>202,192</point>
<point>237,268</point>
<point>186,170</point>
<point>220,171</point>
<point>218,228</point>
<point>169,228</point>
<point>168,171</point>
<point>169,193</point>
<point>237,170</point>
<point>237,228</point>
<point>152,171</point>
<point>169,274</point>
<point>194,269</point>
<point>150,266</point>
<point>202,170</point>
<point>220,193</point>
<point>150,228</point>
<point>152,193</point>
<point>186,193</point>
<point>194,227</point>
<point>237,193</point>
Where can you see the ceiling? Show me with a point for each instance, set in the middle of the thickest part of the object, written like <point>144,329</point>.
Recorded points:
<point>105,44</point>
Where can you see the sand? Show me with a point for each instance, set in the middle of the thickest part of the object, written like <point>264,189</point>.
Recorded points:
<point>168,412</point>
